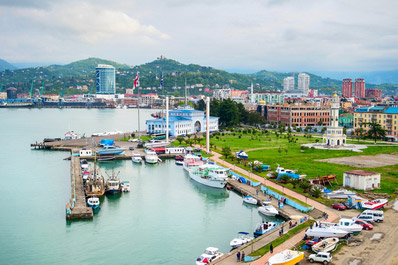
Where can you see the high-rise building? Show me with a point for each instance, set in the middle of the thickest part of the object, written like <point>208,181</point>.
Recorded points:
<point>359,88</point>
<point>374,93</point>
<point>105,80</point>
<point>288,83</point>
<point>304,83</point>
<point>347,88</point>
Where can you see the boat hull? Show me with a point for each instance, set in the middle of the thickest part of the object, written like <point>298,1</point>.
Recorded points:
<point>137,160</point>
<point>291,261</point>
<point>267,213</point>
<point>218,184</point>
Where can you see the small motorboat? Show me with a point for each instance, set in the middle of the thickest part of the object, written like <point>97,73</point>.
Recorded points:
<point>125,186</point>
<point>151,157</point>
<point>340,194</point>
<point>326,245</point>
<point>106,158</point>
<point>345,224</point>
<point>93,202</point>
<point>136,158</point>
<point>250,200</point>
<point>267,209</point>
<point>241,154</point>
<point>210,254</point>
<point>83,164</point>
<point>263,228</point>
<point>111,150</point>
<point>286,257</point>
<point>375,204</point>
<point>179,163</point>
<point>243,238</point>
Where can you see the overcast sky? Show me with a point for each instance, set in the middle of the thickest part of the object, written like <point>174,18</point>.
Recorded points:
<point>283,35</point>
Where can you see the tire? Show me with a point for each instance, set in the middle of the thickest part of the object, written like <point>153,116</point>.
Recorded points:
<point>311,260</point>
<point>366,228</point>
<point>325,262</point>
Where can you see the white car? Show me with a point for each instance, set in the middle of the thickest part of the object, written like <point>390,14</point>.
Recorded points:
<point>133,140</point>
<point>322,257</point>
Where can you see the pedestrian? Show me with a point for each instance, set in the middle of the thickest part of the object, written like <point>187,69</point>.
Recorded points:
<point>280,232</point>
<point>311,226</point>
<point>243,256</point>
<point>257,192</point>
<point>238,256</point>
<point>271,248</point>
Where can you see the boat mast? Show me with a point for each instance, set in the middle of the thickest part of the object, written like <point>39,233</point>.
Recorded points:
<point>167,119</point>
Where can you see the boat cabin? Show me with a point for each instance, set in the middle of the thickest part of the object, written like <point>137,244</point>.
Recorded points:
<point>85,153</point>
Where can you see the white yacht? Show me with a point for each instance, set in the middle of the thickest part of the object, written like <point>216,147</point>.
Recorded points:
<point>267,209</point>
<point>191,161</point>
<point>243,238</point>
<point>151,157</point>
<point>250,200</point>
<point>210,175</point>
<point>136,158</point>
<point>345,224</point>
<point>263,228</point>
<point>340,194</point>
<point>156,143</point>
<point>210,255</point>
<point>325,231</point>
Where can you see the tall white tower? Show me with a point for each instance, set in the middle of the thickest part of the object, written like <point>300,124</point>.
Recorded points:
<point>334,135</point>
<point>304,83</point>
<point>288,83</point>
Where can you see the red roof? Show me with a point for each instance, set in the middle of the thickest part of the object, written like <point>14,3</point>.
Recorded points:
<point>159,149</point>
<point>361,172</point>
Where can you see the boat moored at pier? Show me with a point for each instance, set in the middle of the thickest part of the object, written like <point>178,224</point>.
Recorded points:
<point>111,150</point>
<point>210,175</point>
<point>211,254</point>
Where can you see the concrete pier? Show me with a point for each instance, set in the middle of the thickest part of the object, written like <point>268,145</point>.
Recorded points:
<point>78,209</point>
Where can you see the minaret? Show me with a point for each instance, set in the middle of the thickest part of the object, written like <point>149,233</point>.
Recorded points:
<point>334,112</point>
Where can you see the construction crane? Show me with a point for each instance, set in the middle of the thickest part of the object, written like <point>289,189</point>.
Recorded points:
<point>41,90</point>
<point>31,89</point>
<point>61,96</point>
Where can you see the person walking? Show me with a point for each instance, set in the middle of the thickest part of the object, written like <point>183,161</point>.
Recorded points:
<point>243,256</point>
<point>238,256</point>
<point>271,248</point>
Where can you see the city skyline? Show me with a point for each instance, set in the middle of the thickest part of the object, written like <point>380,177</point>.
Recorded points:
<point>274,35</point>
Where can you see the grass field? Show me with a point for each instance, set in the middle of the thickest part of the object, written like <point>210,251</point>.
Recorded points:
<point>289,155</point>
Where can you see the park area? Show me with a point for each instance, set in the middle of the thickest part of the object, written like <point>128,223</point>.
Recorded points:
<point>274,148</point>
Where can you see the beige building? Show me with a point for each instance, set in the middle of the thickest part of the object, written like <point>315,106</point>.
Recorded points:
<point>361,180</point>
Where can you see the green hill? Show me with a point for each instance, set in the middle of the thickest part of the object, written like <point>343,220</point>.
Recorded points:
<point>4,65</point>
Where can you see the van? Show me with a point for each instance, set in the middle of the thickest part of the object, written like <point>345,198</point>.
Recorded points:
<point>367,218</point>
<point>378,216</point>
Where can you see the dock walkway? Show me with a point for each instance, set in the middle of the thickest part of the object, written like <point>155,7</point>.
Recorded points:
<point>78,198</point>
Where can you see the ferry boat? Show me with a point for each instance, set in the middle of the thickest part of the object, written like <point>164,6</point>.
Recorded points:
<point>111,150</point>
<point>113,184</point>
<point>211,254</point>
<point>263,228</point>
<point>210,175</point>
<point>151,157</point>
<point>286,257</point>
<point>191,161</point>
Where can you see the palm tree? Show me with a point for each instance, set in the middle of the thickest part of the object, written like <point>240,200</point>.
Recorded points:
<point>375,130</point>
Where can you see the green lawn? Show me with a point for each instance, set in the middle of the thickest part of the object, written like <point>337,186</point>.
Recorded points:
<point>289,155</point>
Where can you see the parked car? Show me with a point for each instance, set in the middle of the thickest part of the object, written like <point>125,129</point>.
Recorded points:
<point>131,148</point>
<point>377,215</point>
<point>339,206</point>
<point>367,218</point>
<point>322,257</point>
<point>365,225</point>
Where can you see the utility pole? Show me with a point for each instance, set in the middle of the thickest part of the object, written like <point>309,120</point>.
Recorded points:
<point>207,125</point>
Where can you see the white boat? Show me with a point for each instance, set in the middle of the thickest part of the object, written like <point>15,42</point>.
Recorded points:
<point>243,238</point>
<point>281,170</point>
<point>210,175</point>
<point>250,200</point>
<point>340,194</point>
<point>242,154</point>
<point>111,150</point>
<point>325,245</point>
<point>263,228</point>
<point>83,164</point>
<point>179,162</point>
<point>151,157</point>
<point>210,254</point>
<point>325,231</point>
<point>375,204</point>
<point>136,158</point>
<point>125,186</point>
<point>345,224</point>
<point>191,161</point>
<point>156,143</point>
<point>93,202</point>
<point>113,184</point>
<point>114,132</point>
<point>71,135</point>
<point>286,257</point>
<point>267,209</point>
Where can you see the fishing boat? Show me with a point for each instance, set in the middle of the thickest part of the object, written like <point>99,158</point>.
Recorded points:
<point>94,185</point>
<point>111,150</point>
<point>191,161</point>
<point>286,257</point>
<point>263,228</point>
<point>83,164</point>
<point>375,204</point>
<point>250,200</point>
<point>155,143</point>
<point>340,194</point>
<point>325,245</point>
<point>267,209</point>
<point>243,238</point>
<point>136,158</point>
<point>113,184</point>
<point>345,224</point>
<point>325,231</point>
<point>211,254</point>
<point>93,202</point>
<point>125,186</point>
<point>151,157</point>
<point>210,175</point>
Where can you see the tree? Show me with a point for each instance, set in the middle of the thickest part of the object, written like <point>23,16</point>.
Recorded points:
<point>375,131</point>
<point>215,108</point>
<point>316,192</point>
<point>180,139</point>
<point>229,113</point>
<point>201,105</point>
<point>226,151</point>
<point>320,123</point>
<point>324,129</point>
<point>305,185</point>
<point>345,131</point>
<point>298,129</point>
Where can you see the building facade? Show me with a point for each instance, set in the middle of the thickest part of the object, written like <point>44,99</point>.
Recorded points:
<point>288,83</point>
<point>267,97</point>
<point>386,116</point>
<point>374,93</point>
<point>105,80</point>
<point>304,83</point>
<point>299,114</point>
<point>334,135</point>
<point>347,88</point>
<point>359,88</point>
<point>361,180</point>
<point>182,122</point>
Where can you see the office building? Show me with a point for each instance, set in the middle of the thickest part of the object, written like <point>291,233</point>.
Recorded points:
<point>288,83</point>
<point>304,83</point>
<point>105,80</point>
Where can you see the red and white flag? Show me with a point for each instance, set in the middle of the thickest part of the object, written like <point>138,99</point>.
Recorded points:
<point>136,81</point>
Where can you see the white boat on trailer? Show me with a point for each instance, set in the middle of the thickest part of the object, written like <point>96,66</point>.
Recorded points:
<point>325,231</point>
<point>325,245</point>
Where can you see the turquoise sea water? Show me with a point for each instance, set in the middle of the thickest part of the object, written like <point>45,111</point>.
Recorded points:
<point>166,218</point>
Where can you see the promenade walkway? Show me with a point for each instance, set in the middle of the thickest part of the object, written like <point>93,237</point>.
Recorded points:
<point>295,239</point>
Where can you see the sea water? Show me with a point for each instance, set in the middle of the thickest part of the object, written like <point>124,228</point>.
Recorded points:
<point>166,218</point>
